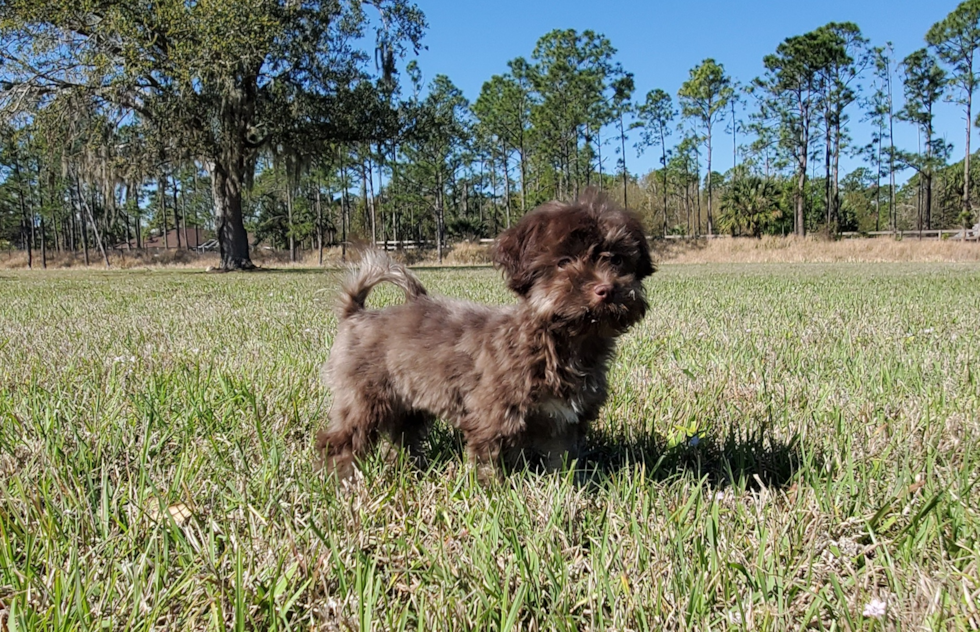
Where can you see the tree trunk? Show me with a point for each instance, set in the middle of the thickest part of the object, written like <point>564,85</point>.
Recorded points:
<point>523,182</point>
<point>697,194</point>
<point>927,172</point>
<point>802,152</point>
<point>588,165</point>
<point>364,200</point>
<point>480,196</point>
<point>439,211</point>
<point>878,184</point>
<point>828,145</point>
<point>40,204</point>
<point>84,231</point>
<point>183,220</point>
<point>226,189</point>
<point>918,207</point>
<point>800,192</point>
<point>81,220</point>
<point>162,200</point>
<point>95,228</point>
<point>370,202</point>
<point>28,235</point>
<point>44,248</point>
<point>734,137</point>
<point>319,223</point>
<point>663,164</point>
<point>493,188</point>
<point>177,217</point>
<point>344,213</point>
<point>54,215</point>
<point>927,178</point>
<point>28,223</point>
<point>835,176</point>
<point>710,189</point>
<point>506,191</point>
<point>967,210</point>
<point>183,213</point>
<point>393,188</point>
<point>289,217</point>
<point>378,201</point>
<point>687,207</point>
<point>129,199</point>
<point>34,227</point>
<point>622,145</point>
<point>892,218</point>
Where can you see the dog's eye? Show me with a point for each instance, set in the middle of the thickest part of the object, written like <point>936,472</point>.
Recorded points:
<point>613,259</point>
<point>564,261</point>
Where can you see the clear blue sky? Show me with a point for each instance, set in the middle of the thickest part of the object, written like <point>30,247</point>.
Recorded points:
<point>659,42</point>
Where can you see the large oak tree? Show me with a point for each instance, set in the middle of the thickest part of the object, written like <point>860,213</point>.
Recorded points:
<point>221,78</point>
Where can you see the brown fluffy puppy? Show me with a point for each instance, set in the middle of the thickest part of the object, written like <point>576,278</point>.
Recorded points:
<point>519,380</point>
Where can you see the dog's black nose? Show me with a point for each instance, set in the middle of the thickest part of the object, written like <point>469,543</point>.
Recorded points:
<point>603,291</point>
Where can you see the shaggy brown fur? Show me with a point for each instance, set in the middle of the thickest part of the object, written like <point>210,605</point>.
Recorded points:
<point>517,381</point>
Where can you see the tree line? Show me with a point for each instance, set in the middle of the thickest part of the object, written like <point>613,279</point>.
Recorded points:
<point>302,125</point>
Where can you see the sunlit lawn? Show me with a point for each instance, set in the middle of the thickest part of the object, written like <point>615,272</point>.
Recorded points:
<point>786,446</point>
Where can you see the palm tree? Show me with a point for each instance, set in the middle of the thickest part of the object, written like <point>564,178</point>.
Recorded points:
<point>750,204</point>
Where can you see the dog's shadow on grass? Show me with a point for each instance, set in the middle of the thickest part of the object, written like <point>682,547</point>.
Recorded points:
<point>752,459</point>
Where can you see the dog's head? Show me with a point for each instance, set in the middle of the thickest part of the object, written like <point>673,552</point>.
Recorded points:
<point>579,265</point>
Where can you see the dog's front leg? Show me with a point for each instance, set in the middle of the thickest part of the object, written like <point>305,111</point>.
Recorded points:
<point>485,437</point>
<point>484,457</point>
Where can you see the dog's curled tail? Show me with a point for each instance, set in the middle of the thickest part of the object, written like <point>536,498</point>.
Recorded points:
<point>375,267</point>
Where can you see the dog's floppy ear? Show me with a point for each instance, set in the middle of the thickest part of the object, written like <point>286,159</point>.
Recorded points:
<point>517,245</point>
<point>508,255</point>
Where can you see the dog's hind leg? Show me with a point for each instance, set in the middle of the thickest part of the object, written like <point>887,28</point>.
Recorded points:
<point>351,433</point>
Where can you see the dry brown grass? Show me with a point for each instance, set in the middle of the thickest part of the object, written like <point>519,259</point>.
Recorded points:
<point>120,259</point>
<point>692,251</point>
<point>469,253</point>
<point>462,254</point>
<point>465,253</point>
<point>813,250</point>
<point>125,260</point>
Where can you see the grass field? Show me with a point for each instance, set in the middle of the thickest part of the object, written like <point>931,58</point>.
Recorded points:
<point>786,447</point>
